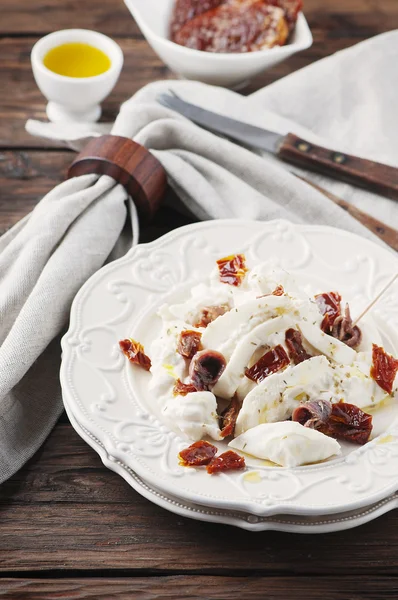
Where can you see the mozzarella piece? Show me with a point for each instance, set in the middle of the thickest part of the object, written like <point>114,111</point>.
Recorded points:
<point>326,344</point>
<point>370,334</point>
<point>287,443</point>
<point>353,383</point>
<point>167,364</point>
<point>201,295</point>
<point>225,332</point>
<point>245,387</point>
<point>252,324</point>
<point>275,398</point>
<point>234,373</point>
<point>264,279</point>
<point>395,387</point>
<point>195,415</point>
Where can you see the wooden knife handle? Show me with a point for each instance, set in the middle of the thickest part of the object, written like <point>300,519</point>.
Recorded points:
<point>370,175</point>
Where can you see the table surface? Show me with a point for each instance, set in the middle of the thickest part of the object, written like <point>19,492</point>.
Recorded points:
<point>69,528</point>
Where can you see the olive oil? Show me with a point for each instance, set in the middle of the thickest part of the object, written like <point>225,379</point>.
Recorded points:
<point>76,59</point>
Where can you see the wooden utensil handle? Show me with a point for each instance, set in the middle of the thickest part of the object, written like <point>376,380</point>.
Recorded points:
<point>128,163</point>
<point>371,175</point>
<point>388,234</point>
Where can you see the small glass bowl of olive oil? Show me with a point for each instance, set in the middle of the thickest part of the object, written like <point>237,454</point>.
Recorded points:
<point>76,69</point>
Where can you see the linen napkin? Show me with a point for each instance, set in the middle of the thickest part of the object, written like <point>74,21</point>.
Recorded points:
<point>345,101</point>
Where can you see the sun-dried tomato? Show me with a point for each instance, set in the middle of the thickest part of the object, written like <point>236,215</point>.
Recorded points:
<point>229,416</point>
<point>232,269</point>
<point>384,368</point>
<point>237,26</point>
<point>182,389</point>
<point>291,8</point>
<point>206,368</point>
<point>295,348</point>
<point>209,314</point>
<point>348,422</point>
<point>135,353</point>
<point>186,10</point>
<point>228,461</point>
<point>278,291</point>
<point>341,420</point>
<point>329,306</point>
<point>272,361</point>
<point>198,454</point>
<point>188,343</point>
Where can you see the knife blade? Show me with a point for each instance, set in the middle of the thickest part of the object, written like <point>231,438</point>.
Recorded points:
<point>241,132</point>
<point>361,172</point>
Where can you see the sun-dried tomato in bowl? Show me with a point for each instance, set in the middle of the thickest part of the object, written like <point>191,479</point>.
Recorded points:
<point>233,25</point>
<point>186,10</point>
<point>244,26</point>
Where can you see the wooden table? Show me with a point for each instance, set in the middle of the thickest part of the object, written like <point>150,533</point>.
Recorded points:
<point>69,528</point>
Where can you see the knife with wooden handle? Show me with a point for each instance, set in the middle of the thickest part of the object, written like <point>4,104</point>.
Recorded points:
<point>360,172</point>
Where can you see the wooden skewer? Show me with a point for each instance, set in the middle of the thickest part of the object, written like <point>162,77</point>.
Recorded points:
<point>383,231</point>
<point>379,295</point>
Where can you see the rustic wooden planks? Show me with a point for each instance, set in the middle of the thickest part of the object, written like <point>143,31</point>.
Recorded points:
<point>335,25</point>
<point>65,520</point>
<point>27,175</point>
<point>356,18</point>
<point>66,511</point>
<point>21,99</point>
<point>200,587</point>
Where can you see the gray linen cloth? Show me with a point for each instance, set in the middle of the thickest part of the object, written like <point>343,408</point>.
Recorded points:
<point>346,101</point>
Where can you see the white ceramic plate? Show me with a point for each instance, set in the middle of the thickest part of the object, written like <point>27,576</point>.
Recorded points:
<point>242,520</point>
<point>110,398</point>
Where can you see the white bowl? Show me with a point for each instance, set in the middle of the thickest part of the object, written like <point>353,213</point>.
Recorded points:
<point>75,98</point>
<point>229,70</point>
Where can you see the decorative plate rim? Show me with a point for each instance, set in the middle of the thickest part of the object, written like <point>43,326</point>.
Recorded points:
<point>119,453</point>
<point>340,522</point>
